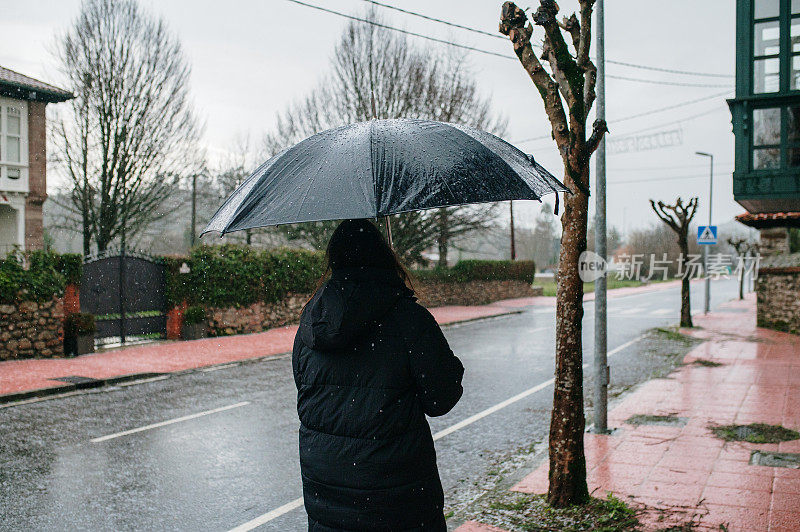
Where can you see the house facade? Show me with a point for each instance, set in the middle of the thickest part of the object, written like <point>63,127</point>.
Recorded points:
<point>766,109</point>
<point>23,158</point>
<point>766,125</point>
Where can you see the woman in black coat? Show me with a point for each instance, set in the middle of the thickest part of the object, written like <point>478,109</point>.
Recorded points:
<point>369,364</point>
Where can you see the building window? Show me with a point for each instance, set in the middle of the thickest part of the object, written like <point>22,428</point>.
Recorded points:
<point>13,150</point>
<point>767,8</point>
<point>766,46</point>
<point>776,138</point>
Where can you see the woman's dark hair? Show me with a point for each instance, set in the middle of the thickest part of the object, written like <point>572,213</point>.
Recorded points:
<point>359,244</point>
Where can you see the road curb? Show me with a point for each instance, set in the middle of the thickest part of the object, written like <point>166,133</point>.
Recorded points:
<point>91,383</point>
<point>65,388</point>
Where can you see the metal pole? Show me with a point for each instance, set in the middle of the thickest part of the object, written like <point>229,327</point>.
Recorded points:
<point>601,369</point>
<point>710,205</point>
<point>194,209</point>
<point>122,287</point>
<point>705,247</point>
<point>513,242</point>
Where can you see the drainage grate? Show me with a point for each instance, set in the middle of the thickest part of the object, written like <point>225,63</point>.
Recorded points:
<point>764,458</point>
<point>649,419</point>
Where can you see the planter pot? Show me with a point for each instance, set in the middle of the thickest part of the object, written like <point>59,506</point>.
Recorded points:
<point>84,344</point>
<point>79,345</point>
<point>193,331</point>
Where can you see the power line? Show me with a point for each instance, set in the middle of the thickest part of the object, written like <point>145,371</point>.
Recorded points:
<point>675,83</point>
<point>433,19</point>
<point>646,113</point>
<point>676,167</point>
<point>670,107</point>
<point>479,50</point>
<point>663,124</point>
<point>657,180</point>
<point>671,70</point>
<point>379,25</point>
<point>496,36</point>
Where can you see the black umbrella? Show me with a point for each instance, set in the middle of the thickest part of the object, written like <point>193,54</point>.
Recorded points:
<point>382,167</point>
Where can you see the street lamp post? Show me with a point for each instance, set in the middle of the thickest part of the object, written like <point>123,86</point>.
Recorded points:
<point>710,202</point>
<point>601,369</point>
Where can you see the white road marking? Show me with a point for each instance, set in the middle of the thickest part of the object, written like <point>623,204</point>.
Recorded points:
<point>142,381</point>
<point>269,516</point>
<point>634,310</point>
<point>491,410</point>
<point>662,311</point>
<point>168,422</point>
<point>219,367</point>
<point>288,507</point>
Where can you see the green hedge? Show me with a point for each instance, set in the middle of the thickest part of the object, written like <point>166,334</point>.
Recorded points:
<point>37,275</point>
<point>231,276</point>
<point>481,270</point>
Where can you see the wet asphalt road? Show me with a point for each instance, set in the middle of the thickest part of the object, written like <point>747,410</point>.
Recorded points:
<point>221,470</point>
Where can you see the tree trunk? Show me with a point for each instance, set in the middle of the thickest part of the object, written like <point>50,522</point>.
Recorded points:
<point>567,460</point>
<point>686,302</point>
<point>741,284</point>
<point>87,237</point>
<point>444,236</point>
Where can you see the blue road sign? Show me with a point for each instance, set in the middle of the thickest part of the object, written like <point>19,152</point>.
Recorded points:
<point>707,234</point>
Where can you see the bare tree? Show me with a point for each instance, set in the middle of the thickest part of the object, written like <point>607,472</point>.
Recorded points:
<point>679,217</point>
<point>128,138</point>
<point>568,92</point>
<point>407,81</point>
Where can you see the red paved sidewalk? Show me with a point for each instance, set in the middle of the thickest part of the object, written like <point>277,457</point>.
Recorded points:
<point>19,376</point>
<point>686,470</point>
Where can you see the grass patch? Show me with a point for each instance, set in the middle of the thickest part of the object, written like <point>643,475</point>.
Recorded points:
<point>755,433</point>
<point>650,419</point>
<point>707,363</point>
<point>672,333</point>
<point>522,512</point>
<point>549,286</point>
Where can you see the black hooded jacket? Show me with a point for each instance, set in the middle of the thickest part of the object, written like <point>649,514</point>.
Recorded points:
<point>369,364</point>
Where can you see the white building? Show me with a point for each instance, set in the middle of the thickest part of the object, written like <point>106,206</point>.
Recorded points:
<point>23,158</point>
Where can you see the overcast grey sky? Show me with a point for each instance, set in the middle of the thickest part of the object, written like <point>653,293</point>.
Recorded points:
<point>250,58</point>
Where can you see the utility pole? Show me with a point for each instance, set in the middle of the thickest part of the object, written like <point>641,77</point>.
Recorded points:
<point>601,369</point>
<point>122,281</point>
<point>513,243</point>
<point>710,201</point>
<point>194,210</point>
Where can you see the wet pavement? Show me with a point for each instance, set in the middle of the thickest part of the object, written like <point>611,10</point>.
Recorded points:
<point>680,471</point>
<point>224,451</point>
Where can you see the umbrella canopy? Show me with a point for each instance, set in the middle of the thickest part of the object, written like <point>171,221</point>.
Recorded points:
<point>382,167</point>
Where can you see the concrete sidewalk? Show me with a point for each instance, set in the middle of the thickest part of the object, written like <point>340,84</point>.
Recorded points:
<point>684,473</point>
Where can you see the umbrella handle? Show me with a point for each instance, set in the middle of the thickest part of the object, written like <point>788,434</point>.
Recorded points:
<point>389,231</point>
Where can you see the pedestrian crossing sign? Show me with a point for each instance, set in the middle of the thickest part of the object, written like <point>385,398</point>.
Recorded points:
<point>707,234</point>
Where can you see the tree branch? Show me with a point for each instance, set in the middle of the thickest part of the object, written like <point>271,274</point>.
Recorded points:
<point>514,24</point>
<point>599,128</point>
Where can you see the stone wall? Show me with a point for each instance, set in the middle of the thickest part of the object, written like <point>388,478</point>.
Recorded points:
<point>256,317</point>
<point>774,241</point>
<point>439,294</point>
<point>261,316</point>
<point>778,293</point>
<point>29,329</point>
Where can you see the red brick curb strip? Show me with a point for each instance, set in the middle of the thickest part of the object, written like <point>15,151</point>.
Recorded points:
<point>33,378</point>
